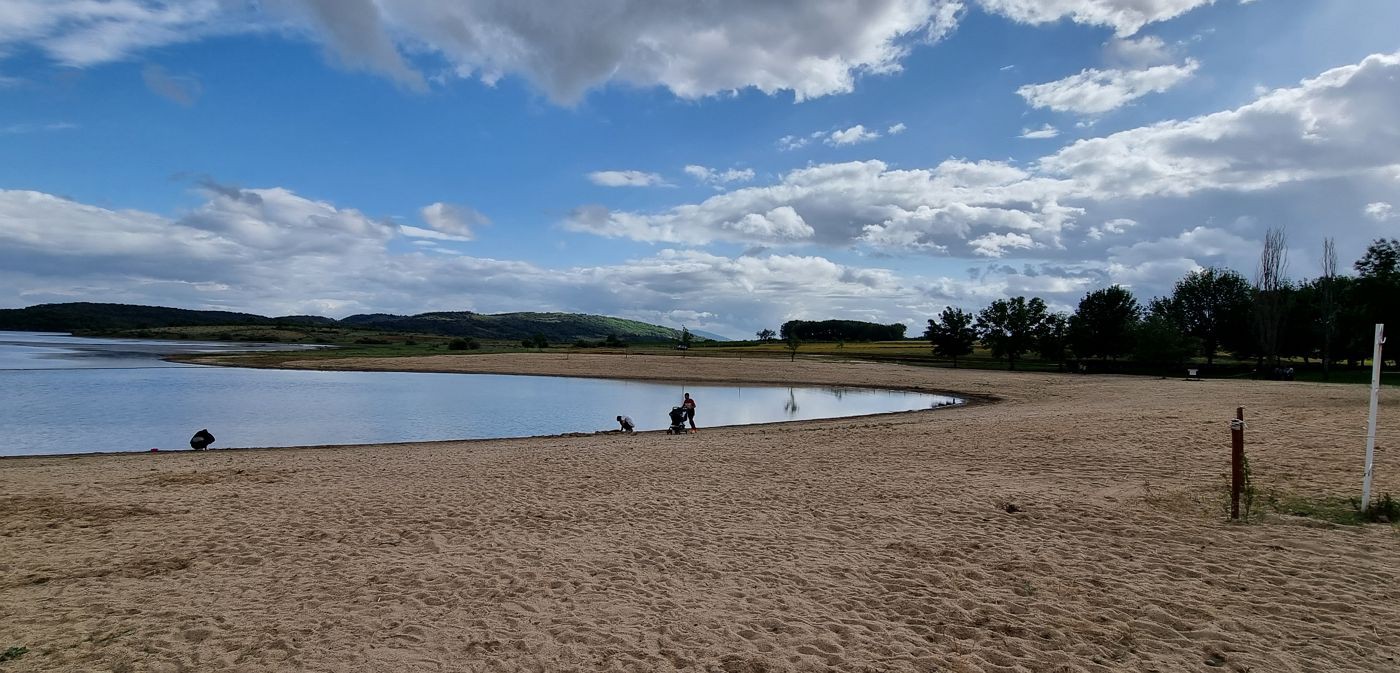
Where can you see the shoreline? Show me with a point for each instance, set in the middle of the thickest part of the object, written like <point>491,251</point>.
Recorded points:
<point>385,365</point>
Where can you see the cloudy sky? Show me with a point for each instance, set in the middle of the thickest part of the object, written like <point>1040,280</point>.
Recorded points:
<point>726,165</point>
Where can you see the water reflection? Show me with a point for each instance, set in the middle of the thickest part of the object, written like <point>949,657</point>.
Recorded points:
<point>48,350</point>
<point>790,406</point>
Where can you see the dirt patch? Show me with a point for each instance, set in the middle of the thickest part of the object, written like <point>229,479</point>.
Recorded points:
<point>19,513</point>
<point>198,477</point>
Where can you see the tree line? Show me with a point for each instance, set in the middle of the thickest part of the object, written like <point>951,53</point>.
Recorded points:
<point>837,330</point>
<point>1265,319</point>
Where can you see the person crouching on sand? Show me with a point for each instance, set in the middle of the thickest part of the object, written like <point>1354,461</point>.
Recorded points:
<point>626,423</point>
<point>688,405</point>
<point>201,440</point>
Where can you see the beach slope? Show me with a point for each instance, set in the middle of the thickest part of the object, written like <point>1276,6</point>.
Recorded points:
<point>1059,523</point>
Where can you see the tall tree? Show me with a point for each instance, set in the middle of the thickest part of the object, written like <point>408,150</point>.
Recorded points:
<point>842,330</point>
<point>952,334</point>
<point>1009,326</point>
<point>1052,339</point>
<point>1382,259</point>
<point>1328,307</point>
<point>792,343</point>
<point>1158,343</point>
<point>1213,306</point>
<point>1378,289</point>
<point>1103,324</point>
<point>1271,293</point>
<point>766,335</point>
<point>1302,318</point>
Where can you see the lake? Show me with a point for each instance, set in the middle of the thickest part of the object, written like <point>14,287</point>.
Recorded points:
<point>63,394</point>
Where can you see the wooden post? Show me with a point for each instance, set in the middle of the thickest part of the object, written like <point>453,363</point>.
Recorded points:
<point>1236,462</point>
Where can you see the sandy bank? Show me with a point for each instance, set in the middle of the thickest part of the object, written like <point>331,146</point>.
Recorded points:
<point>851,544</point>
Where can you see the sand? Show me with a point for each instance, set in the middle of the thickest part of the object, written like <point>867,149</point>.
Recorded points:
<point>870,544</point>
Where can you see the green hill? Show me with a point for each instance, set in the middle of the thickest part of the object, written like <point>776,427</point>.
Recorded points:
<point>554,326</point>
<point>557,327</point>
<point>86,316</point>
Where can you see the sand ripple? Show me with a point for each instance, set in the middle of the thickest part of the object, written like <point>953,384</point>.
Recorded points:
<point>869,544</point>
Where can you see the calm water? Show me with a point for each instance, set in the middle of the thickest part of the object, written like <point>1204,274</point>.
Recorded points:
<point>61,394</point>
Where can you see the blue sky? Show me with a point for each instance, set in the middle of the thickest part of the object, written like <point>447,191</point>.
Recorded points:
<point>726,166</point>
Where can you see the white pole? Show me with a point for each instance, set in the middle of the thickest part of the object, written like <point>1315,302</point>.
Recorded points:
<point>1371,424</point>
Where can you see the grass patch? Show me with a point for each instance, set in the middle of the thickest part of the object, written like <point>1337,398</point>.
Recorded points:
<point>1334,509</point>
<point>13,653</point>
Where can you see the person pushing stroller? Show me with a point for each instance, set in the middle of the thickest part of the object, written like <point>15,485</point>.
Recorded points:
<point>688,406</point>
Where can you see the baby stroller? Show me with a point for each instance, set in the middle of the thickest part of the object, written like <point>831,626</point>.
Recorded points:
<point>677,422</point>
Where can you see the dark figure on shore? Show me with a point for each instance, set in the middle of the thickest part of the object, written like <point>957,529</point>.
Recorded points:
<point>688,405</point>
<point>627,425</point>
<point>201,440</point>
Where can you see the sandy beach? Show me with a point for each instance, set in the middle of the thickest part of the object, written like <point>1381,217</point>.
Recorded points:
<point>877,543</point>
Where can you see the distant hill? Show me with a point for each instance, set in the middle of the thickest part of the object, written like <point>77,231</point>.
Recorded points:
<point>709,335</point>
<point>107,317</point>
<point>557,327</point>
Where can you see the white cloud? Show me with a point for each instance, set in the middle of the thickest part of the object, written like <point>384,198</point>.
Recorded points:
<point>625,179</point>
<point>243,248</point>
<point>736,175</point>
<point>1136,53</point>
<point>1340,123</point>
<point>1045,131</point>
<point>691,49</point>
<point>1189,245</point>
<point>1299,149</point>
<point>778,223</point>
<point>457,220</point>
<point>840,137</point>
<point>851,136</point>
<point>1125,17</point>
<point>1095,91</point>
<point>716,177</point>
<point>236,236</point>
<point>1379,211</point>
<point>855,202</point>
<point>790,142</point>
<point>996,245</point>
<point>433,234</point>
<point>700,173</point>
<point>1114,226</point>
<point>82,33</point>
